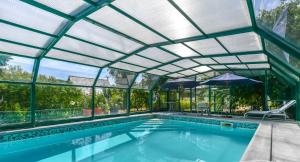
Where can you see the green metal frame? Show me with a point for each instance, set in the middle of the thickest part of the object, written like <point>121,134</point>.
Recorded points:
<point>129,93</point>
<point>266,89</point>
<point>298,103</point>
<point>279,67</point>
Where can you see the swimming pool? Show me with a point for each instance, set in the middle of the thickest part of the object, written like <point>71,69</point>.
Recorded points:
<point>147,140</point>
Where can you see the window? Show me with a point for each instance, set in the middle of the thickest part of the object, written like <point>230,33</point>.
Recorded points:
<point>160,101</point>
<point>110,101</point>
<point>185,101</point>
<point>145,81</point>
<point>52,71</point>
<point>282,55</point>
<point>280,17</point>
<point>139,100</point>
<point>110,77</point>
<point>62,102</point>
<point>15,68</point>
<point>14,104</point>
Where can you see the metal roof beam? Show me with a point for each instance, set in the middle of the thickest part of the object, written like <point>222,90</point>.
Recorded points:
<point>206,56</point>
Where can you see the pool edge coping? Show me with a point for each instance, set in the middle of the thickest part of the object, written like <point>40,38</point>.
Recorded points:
<point>260,147</point>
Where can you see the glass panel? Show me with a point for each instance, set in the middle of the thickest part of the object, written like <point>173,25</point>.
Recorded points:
<point>242,42</point>
<point>159,15</point>
<point>181,50</point>
<point>202,96</point>
<point>202,69</point>
<point>225,14</point>
<point>110,101</point>
<point>15,68</point>
<point>253,58</point>
<point>137,60</point>
<point>227,59</point>
<point>176,75</point>
<point>170,68</point>
<point>157,72</point>
<point>121,65</point>
<point>88,49</point>
<point>121,23</point>
<point>15,104</point>
<point>157,54</point>
<point>218,67</point>
<point>92,33</point>
<point>22,36</point>
<point>145,81</point>
<point>62,102</point>
<point>185,101</point>
<point>160,101</point>
<point>186,63</point>
<point>70,7</point>
<point>282,55</point>
<point>258,66</point>
<point>139,101</point>
<point>174,97</point>
<point>17,49</point>
<point>207,46</point>
<point>240,66</point>
<point>188,72</point>
<point>280,17</point>
<point>30,16</point>
<point>76,58</point>
<point>212,74</point>
<point>110,77</point>
<point>52,71</point>
<point>205,61</point>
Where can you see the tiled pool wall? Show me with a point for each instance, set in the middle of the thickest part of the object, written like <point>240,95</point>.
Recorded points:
<point>63,128</point>
<point>236,124</point>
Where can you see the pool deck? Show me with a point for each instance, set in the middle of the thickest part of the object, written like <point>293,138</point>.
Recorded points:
<point>274,140</point>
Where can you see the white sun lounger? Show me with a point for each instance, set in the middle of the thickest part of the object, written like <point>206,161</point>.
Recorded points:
<point>276,112</point>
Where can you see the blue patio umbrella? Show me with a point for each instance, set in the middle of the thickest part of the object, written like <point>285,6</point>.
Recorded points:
<point>180,83</point>
<point>230,79</point>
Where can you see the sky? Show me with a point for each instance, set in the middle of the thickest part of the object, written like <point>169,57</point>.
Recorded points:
<point>59,69</point>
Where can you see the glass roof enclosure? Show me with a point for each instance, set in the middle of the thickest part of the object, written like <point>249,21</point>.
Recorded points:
<point>135,43</point>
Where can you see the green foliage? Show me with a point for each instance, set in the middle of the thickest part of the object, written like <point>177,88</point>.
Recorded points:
<point>139,100</point>
<point>60,97</point>
<point>111,99</point>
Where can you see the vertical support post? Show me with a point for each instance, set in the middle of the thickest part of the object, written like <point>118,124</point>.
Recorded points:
<point>215,104</point>
<point>128,101</point>
<point>94,93</point>
<point>195,98</point>
<point>93,103</point>
<point>191,99</point>
<point>159,103</point>
<point>230,102</point>
<point>179,96</point>
<point>168,99</point>
<point>209,97</point>
<point>33,104</point>
<point>298,101</point>
<point>129,93</point>
<point>151,100</point>
<point>266,86</point>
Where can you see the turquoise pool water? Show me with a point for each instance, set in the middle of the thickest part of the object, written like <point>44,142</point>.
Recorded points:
<point>155,140</point>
